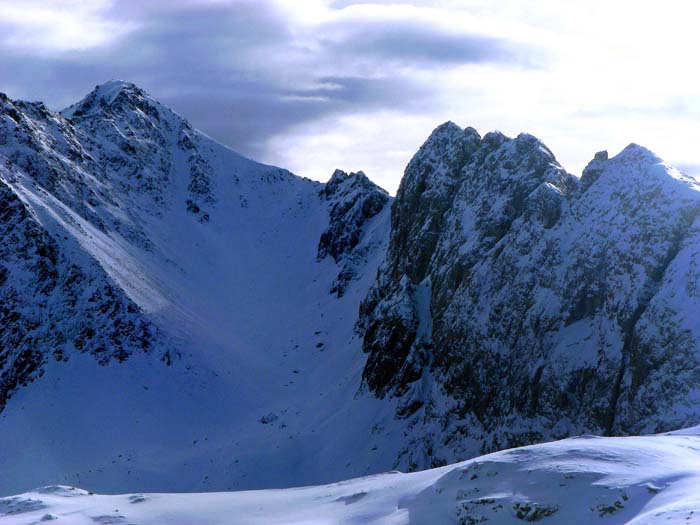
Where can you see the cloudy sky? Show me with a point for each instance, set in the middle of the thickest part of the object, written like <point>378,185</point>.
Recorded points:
<point>312,85</point>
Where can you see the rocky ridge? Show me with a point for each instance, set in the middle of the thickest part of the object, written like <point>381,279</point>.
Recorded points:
<point>519,304</point>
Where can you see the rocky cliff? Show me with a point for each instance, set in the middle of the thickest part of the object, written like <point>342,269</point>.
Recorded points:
<point>519,304</point>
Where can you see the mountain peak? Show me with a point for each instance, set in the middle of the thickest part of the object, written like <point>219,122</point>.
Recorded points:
<point>113,88</point>
<point>448,144</point>
<point>109,96</point>
<point>639,154</point>
<point>634,162</point>
<point>450,129</point>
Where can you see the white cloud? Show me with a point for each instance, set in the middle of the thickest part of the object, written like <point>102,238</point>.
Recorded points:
<point>381,145</point>
<point>615,74</point>
<point>55,26</point>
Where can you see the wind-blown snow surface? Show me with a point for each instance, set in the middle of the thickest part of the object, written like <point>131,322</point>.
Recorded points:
<point>260,367</point>
<point>635,480</point>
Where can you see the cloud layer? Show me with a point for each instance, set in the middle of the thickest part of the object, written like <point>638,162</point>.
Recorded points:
<point>243,70</point>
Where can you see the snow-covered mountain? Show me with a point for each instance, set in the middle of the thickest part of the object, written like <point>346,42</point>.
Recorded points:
<point>181,316</point>
<point>520,304</point>
<point>177,317</point>
<point>584,480</point>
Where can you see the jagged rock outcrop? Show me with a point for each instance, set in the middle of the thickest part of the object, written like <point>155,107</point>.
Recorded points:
<point>353,201</point>
<point>540,306</point>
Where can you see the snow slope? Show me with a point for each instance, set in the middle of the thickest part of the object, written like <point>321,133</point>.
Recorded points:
<point>583,480</point>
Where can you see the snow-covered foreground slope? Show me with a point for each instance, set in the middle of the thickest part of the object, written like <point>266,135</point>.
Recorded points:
<point>636,480</point>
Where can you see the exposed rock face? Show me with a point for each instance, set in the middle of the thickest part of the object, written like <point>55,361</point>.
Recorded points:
<point>518,304</point>
<point>353,201</point>
<point>388,316</point>
<point>51,306</point>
